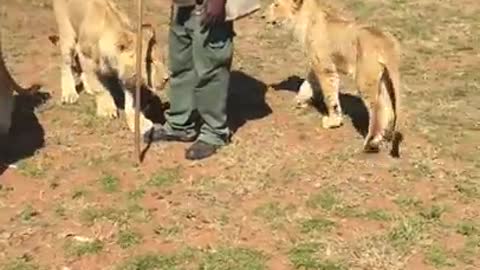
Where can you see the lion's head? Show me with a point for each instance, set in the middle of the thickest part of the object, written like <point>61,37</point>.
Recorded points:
<point>154,71</point>
<point>282,10</point>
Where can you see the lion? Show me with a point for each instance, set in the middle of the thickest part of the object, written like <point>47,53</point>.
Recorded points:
<point>337,45</point>
<point>97,43</point>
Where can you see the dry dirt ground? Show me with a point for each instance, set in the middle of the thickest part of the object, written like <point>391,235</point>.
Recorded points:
<point>286,194</point>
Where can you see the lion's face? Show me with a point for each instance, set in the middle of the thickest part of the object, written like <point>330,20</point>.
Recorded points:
<point>282,10</point>
<point>154,72</point>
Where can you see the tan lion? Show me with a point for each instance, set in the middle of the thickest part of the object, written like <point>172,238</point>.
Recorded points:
<point>97,42</point>
<point>335,45</point>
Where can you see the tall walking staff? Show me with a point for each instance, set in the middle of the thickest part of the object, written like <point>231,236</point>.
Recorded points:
<point>138,79</point>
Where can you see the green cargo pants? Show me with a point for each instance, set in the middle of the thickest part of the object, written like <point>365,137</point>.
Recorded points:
<point>200,61</point>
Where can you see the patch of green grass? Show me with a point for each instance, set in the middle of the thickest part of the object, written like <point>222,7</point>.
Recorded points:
<point>406,233</point>
<point>21,263</point>
<point>347,211</point>
<point>5,190</point>
<point>316,225</point>
<point>468,228</point>
<point>153,261</point>
<point>89,215</point>
<point>469,253</point>
<point>136,194</point>
<point>408,202</point>
<point>137,213</point>
<point>378,215</point>
<point>60,210</point>
<point>325,199</point>
<point>438,257</point>
<point>432,213</point>
<point>78,249</point>
<point>109,183</point>
<point>305,256</point>
<point>165,178</point>
<point>167,232</point>
<point>224,219</point>
<point>32,169</point>
<point>133,213</point>
<point>128,238</point>
<point>269,211</point>
<point>234,259</point>
<point>469,189</point>
<point>28,214</point>
<point>149,262</point>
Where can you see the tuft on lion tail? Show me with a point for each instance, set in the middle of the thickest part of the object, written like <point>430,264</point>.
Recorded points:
<point>391,74</point>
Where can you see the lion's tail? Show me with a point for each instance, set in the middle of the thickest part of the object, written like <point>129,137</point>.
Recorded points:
<point>391,80</point>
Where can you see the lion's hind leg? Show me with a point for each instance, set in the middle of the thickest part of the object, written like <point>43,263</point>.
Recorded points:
<point>373,89</point>
<point>145,123</point>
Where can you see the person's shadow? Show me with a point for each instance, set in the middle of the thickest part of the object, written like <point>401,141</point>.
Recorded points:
<point>26,133</point>
<point>246,100</point>
<point>353,106</point>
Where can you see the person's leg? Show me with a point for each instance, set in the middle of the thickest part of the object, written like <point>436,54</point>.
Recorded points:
<point>212,54</point>
<point>179,125</point>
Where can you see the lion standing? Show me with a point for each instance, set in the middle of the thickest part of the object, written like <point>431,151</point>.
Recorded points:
<point>97,42</point>
<point>336,45</point>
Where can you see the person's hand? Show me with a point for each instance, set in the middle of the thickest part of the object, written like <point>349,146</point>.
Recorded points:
<point>214,13</point>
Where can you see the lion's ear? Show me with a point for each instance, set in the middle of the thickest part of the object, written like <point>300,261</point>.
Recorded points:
<point>124,41</point>
<point>297,4</point>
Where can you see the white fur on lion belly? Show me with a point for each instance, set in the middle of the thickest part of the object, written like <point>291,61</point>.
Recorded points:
<point>305,93</point>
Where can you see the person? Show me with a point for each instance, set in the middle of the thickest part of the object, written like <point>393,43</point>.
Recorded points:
<point>200,56</point>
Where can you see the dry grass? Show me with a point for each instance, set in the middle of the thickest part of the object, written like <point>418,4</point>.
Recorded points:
<point>285,194</point>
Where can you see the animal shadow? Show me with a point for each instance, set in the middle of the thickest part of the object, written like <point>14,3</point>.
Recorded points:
<point>353,106</point>
<point>150,103</point>
<point>26,134</point>
<point>246,100</point>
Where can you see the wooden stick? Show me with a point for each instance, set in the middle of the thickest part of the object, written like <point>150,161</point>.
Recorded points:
<point>138,79</point>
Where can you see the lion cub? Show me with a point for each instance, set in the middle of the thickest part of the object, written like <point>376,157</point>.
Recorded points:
<point>335,45</point>
<point>97,41</point>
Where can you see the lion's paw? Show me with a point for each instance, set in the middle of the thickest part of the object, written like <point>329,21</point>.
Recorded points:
<point>70,97</point>
<point>372,145</point>
<point>145,123</point>
<point>333,121</point>
<point>107,111</point>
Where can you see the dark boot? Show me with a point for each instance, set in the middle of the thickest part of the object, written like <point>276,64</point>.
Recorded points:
<point>159,133</point>
<point>200,150</point>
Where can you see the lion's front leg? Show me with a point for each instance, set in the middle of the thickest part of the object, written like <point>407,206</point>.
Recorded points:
<point>68,81</point>
<point>106,107</point>
<point>329,79</point>
<point>330,85</point>
<point>145,123</point>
